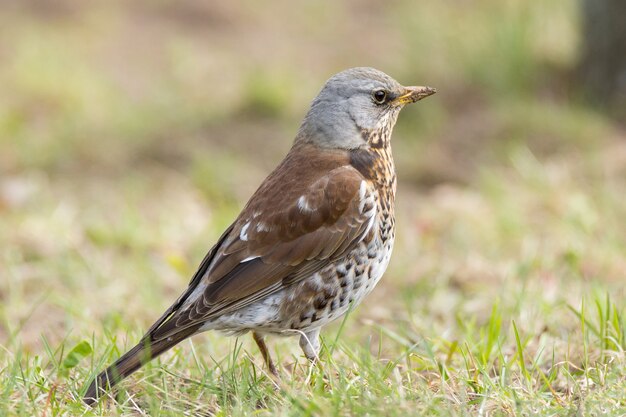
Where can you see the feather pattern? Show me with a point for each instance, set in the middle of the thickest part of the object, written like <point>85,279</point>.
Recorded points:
<point>291,243</point>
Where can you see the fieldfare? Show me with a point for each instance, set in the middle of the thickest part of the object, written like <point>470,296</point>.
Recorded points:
<point>314,239</point>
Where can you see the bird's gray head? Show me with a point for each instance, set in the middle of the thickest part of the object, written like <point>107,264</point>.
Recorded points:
<point>357,108</point>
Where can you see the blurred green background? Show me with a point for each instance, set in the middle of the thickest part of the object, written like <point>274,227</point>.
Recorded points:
<point>102,87</point>
<point>131,133</point>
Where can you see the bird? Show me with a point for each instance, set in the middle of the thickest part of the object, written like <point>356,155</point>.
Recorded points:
<point>313,240</point>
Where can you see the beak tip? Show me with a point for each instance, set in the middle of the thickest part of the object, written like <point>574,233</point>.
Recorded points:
<point>429,91</point>
<point>419,93</point>
<point>415,93</point>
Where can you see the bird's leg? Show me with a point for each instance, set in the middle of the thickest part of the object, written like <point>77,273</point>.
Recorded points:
<point>310,344</point>
<point>260,341</point>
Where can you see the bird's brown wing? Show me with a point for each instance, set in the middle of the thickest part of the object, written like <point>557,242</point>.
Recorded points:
<point>284,234</point>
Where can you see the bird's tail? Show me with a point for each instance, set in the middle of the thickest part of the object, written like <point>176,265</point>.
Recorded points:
<point>144,352</point>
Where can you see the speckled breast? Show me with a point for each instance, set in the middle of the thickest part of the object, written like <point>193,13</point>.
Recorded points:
<point>339,286</point>
<point>342,285</point>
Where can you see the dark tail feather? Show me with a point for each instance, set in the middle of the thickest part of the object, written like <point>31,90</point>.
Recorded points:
<point>144,352</point>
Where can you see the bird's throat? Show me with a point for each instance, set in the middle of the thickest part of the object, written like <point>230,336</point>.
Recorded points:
<point>376,165</point>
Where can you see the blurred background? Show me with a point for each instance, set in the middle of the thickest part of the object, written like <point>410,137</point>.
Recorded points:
<point>131,133</point>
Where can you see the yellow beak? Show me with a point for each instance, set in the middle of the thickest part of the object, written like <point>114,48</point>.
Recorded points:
<point>413,94</point>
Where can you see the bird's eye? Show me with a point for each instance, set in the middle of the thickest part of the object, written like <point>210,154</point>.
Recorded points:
<point>380,96</point>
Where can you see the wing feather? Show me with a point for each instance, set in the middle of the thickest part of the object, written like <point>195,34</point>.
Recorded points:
<point>265,252</point>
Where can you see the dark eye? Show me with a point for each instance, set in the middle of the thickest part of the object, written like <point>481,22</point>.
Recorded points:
<point>380,96</point>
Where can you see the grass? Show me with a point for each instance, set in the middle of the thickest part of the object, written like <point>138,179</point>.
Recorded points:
<point>505,295</point>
